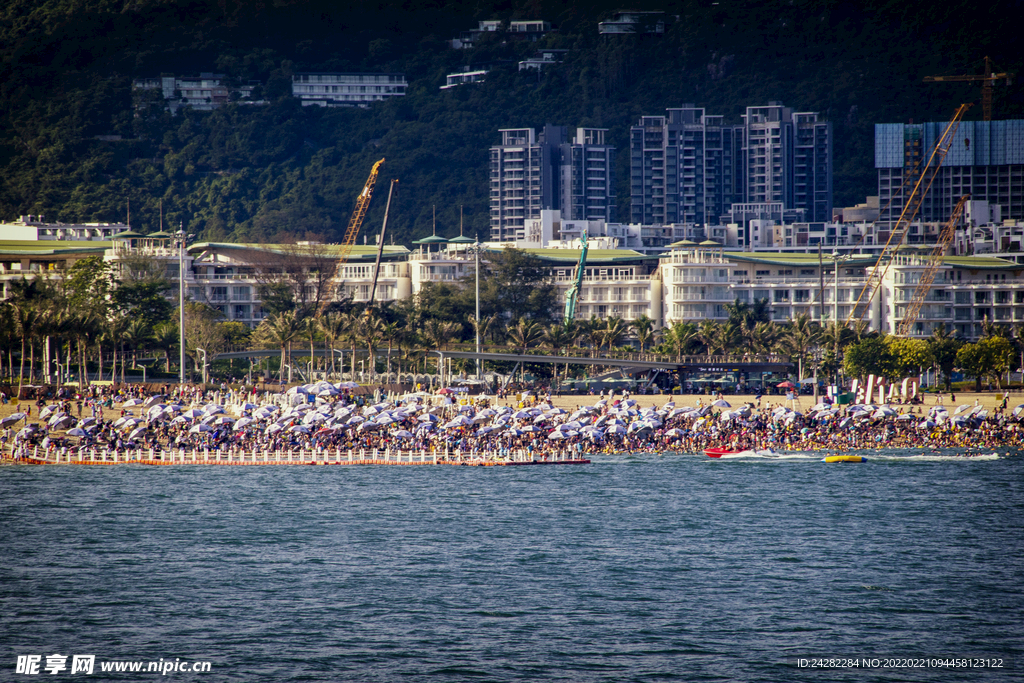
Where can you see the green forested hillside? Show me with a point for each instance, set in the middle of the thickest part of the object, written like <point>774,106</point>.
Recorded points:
<point>267,173</point>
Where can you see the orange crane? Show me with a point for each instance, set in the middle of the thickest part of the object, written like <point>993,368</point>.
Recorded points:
<point>987,80</point>
<point>354,223</point>
<point>933,261</point>
<point>910,209</point>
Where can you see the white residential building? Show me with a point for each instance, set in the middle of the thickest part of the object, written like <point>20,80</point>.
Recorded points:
<point>346,89</point>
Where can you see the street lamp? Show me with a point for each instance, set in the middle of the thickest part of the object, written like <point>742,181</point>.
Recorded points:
<point>836,260</point>
<point>181,303</point>
<point>342,354</point>
<point>203,372</point>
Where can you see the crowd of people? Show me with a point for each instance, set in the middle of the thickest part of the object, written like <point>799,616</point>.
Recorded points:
<point>323,417</point>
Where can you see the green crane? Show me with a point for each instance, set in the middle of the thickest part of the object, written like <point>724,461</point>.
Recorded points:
<point>574,291</point>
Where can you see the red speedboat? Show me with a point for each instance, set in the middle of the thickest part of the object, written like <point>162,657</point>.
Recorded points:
<point>719,452</point>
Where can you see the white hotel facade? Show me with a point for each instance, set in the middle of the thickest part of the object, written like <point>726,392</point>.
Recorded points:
<point>691,282</point>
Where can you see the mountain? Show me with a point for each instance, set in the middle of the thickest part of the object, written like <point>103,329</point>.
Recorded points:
<point>76,144</point>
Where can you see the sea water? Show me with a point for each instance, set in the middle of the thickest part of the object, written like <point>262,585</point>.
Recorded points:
<point>633,568</point>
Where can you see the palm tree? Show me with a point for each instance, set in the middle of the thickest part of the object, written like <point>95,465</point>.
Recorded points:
<point>557,337</point>
<point>764,337</point>
<point>281,330</point>
<point>644,327</point>
<point>613,331</point>
<point>725,338</point>
<point>802,336</point>
<point>706,332</point>
<point>681,337</point>
<point>525,334</point>
<point>113,332</point>
<point>137,335</point>
<point>332,325</point>
<point>165,338</point>
<point>391,333</point>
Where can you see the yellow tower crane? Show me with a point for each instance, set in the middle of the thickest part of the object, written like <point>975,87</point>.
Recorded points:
<point>354,223</point>
<point>987,80</point>
<point>898,232</point>
<point>932,262</point>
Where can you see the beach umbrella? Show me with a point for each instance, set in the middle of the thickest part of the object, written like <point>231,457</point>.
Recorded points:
<point>181,419</point>
<point>136,433</point>
<point>193,413</point>
<point>244,422</point>
<point>485,430</point>
<point>674,432</point>
<point>299,429</point>
<point>721,403</point>
<point>1018,409</point>
<point>404,434</point>
<point>47,412</point>
<point>131,402</point>
<point>556,436</point>
<point>274,428</point>
<point>428,417</point>
<point>445,391</point>
<point>64,422</point>
<point>905,416</point>
<point>26,431</point>
<point>213,409</point>
<point>616,429</point>
<point>532,429</point>
<point>785,385</point>
<point>199,428</point>
<point>961,409</point>
<point>925,424</point>
<point>224,420</point>
<point>76,431</point>
<point>513,432</point>
<point>153,400</point>
<point>384,421</point>
<point>356,419</point>
<point>86,421</point>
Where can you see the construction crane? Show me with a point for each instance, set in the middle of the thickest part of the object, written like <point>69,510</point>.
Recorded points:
<point>910,208</point>
<point>573,295</point>
<point>933,261</point>
<point>354,223</point>
<point>987,80</point>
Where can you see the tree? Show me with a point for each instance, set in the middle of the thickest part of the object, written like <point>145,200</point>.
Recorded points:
<point>202,331</point>
<point>165,338</point>
<point>944,347</point>
<point>614,330</point>
<point>514,283</point>
<point>280,331</point>
<point>137,335</point>
<point>332,325</point>
<point>525,334</point>
<point>802,337</point>
<point>143,300</point>
<point>706,332</point>
<point>644,327</point>
<point>870,356</point>
<point>910,356</point>
<point>990,357</point>
<point>681,337</point>
<point>971,358</point>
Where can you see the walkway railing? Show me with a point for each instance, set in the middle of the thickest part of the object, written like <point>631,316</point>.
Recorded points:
<point>291,456</point>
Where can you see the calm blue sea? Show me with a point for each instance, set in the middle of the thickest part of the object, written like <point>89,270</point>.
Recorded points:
<point>634,568</point>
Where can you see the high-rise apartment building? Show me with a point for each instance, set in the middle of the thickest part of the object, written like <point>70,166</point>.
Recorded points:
<point>691,167</point>
<point>787,157</point>
<point>683,167</point>
<point>986,160</point>
<point>533,171</point>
